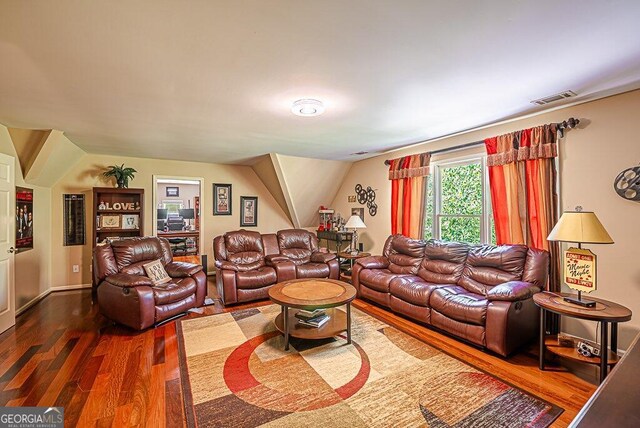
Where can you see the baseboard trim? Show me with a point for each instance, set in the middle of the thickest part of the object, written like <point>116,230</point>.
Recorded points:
<point>70,287</point>
<point>32,302</point>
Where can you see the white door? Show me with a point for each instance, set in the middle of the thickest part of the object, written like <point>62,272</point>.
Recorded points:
<point>7,239</point>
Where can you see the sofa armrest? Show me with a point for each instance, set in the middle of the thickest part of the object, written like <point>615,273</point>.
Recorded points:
<point>225,265</point>
<point>319,257</point>
<point>373,262</point>
<point>182,269</point>
<point>273,259</point>
<point>512,291</point>
<point>126,280</point>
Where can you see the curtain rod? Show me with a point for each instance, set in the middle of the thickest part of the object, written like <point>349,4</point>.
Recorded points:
<point>561,126</point>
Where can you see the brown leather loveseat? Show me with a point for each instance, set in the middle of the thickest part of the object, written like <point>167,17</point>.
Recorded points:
<point>128,296</point>
<point>480,293</point>
<point>248,263</point>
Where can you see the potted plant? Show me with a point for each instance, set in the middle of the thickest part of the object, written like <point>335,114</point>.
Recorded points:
<point>121,174</point>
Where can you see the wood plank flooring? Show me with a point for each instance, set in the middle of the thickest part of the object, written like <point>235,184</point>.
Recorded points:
<point>62,352</point>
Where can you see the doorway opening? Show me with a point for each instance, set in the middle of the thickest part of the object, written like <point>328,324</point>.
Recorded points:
<point>177,216</point>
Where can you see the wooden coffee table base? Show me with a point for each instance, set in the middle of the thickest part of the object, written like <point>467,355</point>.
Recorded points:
<point>311,294</point>
<point>339,321</point>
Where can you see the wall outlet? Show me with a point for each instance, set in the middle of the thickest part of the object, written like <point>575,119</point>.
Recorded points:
<point>76,268</point>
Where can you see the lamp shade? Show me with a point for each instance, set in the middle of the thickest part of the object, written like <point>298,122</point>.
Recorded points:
<point>580,226</point>
<point>355,222</point>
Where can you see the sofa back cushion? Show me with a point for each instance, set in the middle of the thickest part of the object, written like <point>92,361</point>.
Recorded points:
<point>443,262</point>
<point>487,266</point>
<point>135,250</point>
<point>536,268</point>
<point>297,244</point>
<point>404,254</point>
<point>244,248</point>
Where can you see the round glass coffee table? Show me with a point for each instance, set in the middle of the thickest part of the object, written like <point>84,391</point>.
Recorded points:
<point>311,294</point>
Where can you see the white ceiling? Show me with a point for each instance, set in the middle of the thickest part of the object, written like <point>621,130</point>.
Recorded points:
<point>214,80</point>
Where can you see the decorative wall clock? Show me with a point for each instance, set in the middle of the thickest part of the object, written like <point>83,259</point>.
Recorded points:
<point>627,184</point>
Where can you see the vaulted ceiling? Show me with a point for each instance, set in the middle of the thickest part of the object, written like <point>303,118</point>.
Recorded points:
<point>214,80</point>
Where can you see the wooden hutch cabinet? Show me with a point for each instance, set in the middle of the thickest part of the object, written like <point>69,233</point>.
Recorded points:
<point>117,213</point>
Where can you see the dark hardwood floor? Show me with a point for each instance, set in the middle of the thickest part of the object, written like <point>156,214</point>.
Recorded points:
<point>62,352</point>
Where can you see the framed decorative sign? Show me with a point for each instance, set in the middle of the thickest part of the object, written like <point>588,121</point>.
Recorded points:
<point>24,219</point>
<point>173,191</point>
<point>110,221</point>
<point>580,269</point>
<point>74,223</point>
<point>221,199</point>
<point>248,211</point>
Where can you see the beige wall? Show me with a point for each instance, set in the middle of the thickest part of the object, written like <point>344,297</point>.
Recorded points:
<point>85,175</point>
<point>590,158</point>
<point>32,267</point>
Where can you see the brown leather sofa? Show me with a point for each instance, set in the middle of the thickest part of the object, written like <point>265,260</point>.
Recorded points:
<point>248,263</point>
<point>126,295</point>
<point>480,293</point>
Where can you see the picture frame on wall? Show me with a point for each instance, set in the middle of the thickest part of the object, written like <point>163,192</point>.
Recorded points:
<point>248,211</point>
<point>222,199</point>
<point>173,191</point>
<point>74,219</point>
<point>359,212</point>
<point>24,219</point>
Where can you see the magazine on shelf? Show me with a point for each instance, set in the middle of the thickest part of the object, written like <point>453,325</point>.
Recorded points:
<point>316,322</point>
<point>309,315</point>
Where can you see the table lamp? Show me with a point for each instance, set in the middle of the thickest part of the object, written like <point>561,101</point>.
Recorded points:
<point>582,227</point>
<point>355,223</point>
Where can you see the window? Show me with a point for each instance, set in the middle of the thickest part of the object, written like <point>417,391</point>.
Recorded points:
<point>172,206</point>
<point>457,202</point>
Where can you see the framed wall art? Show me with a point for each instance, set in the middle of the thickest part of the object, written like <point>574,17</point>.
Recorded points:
<point>221,199</point>
<point>173,191</point>
<point>74,219</point>
<point>24,219</point>
<point>248,211</point>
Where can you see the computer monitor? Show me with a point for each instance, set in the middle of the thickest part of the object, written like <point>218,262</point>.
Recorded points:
<point>162,213</point>
<point>187,213</point>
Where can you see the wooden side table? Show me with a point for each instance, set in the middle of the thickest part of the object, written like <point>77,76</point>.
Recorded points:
<point>604,312</point>
<point>346,275</point>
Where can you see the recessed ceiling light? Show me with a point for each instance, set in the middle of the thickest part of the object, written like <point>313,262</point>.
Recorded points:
<point>307,107</point>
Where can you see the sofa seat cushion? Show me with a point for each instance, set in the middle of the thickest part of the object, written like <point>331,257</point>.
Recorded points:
<point>377,279</point>
<point>174,291</point>
<point>312,270</point>
<point>412,289</point>
<point>460,304</point>
<point>256,278</point>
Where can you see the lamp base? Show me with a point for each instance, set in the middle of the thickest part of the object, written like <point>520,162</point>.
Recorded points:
<point>580,302</point>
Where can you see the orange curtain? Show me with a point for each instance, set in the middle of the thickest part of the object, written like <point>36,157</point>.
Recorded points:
<point>407,193</point>
<point>523,180</point>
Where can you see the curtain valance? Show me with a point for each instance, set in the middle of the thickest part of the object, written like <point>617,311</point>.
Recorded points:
<point>528,144</point>
<point>409,166</point>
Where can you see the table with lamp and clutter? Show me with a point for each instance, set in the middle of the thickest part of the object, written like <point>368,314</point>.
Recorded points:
<point>339,231</point>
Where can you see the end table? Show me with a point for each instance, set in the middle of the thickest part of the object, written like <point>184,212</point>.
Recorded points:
<point>605,312</point>
<point>346,276</point>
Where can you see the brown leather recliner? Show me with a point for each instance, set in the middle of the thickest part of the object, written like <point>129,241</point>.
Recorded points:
<point>299,257</point>
<point>248,263</point>
<point>480,293</point>
<point>126,295</point>
<point>242,274</point>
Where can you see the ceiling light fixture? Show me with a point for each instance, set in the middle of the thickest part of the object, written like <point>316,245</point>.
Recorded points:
<point>307,107</point>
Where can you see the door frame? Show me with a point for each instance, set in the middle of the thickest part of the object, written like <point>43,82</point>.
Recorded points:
<point>155,200</point>
<point>10,312</point>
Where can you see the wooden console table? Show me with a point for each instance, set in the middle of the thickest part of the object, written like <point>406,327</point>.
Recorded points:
<point>604,312</point>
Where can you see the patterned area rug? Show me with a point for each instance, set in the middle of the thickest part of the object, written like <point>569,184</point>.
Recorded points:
<point>236,374</point>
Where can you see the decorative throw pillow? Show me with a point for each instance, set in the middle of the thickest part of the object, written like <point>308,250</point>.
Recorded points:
<point>156,272</point>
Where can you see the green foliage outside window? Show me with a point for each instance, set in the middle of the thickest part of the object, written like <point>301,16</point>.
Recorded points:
<point>461,204</point>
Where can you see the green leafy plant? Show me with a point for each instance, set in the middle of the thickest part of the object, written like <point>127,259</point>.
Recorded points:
<point>121,174</point>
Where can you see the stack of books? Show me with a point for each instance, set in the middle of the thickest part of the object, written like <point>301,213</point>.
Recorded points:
<point>316,318</point>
